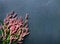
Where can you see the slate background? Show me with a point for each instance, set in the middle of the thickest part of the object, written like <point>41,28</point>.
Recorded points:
<point>44,18</point>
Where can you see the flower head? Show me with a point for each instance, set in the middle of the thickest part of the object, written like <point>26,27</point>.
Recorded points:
<point>16,26</point>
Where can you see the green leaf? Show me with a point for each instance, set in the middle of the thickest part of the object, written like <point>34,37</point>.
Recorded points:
<point>8,36</point>
<point>0,31</point>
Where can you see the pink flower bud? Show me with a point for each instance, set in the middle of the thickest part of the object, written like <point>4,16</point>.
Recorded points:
<point>12,28</point>
<point>21,20</point>
<point>26,17</point>
<point>14,15</point>
<point>26,25</point>
<point>14,31</point>
<point>11,39</point>
<point>11,13</point>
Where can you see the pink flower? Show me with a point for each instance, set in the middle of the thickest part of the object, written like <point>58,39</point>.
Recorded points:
<point>11,13</point>
<point>12,28</point>
<point>26,16</point>
<point>16,26</point>
<point>11,38</point>
<point>14,15</point>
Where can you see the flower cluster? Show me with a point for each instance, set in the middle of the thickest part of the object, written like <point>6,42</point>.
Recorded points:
<point>14,28</point>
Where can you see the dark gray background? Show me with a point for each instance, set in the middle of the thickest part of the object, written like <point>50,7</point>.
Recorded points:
<point>44,18</point>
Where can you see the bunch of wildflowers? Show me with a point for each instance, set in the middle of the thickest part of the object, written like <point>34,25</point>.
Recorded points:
<point>14,29</point>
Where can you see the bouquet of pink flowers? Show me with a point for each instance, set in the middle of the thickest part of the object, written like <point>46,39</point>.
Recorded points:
<point>13,29</point>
